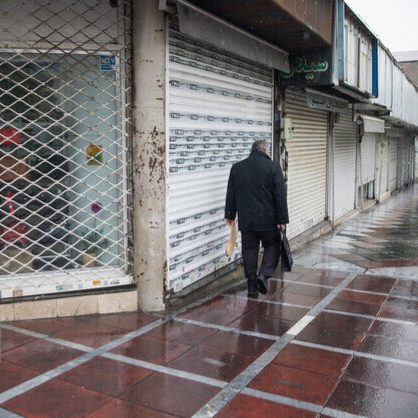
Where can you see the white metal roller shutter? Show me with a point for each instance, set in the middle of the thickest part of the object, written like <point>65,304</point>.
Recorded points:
<point>344,165</point>
<point>403,161</point>
<point>307,167</point>
<point>382,166</point>
<point>393,164</point>
<point>368,158</point>
<point>218,104</point>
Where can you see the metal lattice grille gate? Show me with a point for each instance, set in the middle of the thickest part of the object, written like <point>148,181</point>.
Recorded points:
<point>64,149</point>
<point>218,105</point>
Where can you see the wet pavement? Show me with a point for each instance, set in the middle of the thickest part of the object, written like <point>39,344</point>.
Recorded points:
<point>336,337</point>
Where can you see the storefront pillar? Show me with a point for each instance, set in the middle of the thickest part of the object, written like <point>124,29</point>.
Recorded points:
<point>149,154</point>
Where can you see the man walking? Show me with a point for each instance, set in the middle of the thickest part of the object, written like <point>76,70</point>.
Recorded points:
<point>257,192</point>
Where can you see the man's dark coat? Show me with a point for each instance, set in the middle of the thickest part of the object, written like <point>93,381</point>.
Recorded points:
<point>257,191</point>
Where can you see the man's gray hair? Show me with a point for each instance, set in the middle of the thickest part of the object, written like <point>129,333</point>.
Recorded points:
<point>261,145</point>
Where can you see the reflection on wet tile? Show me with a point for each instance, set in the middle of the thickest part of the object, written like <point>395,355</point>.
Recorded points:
<point>235,343</point>
<point>278,310</point>
<point>41,355</point>
<point>390,347</point>
<point>331,336</point>
<point>300,288</point>
<point>262,324</point>
<point>296,299</point>
<point>323,277</point>
<point>171,394</point>
<point>56,398</point>
<point>400,331</point>
<point>339,321</point>
<point>250,407</point>
<point>11,339</point>
<point>212,363</point>
<point>383,374</point>
<point>48,326</point>
<point>123,409</point>
<point>105,376</point>
<point>91,334</point>
<point>372,401</point>
<point>127,321</point>
<point>13,374</point>
<point>369,283</point>
<point>154,350</point>
<point>398,313</point>
<point>180,332</point>
<point>357,302</point>
<point>294,383</point>
<point>313,359</point>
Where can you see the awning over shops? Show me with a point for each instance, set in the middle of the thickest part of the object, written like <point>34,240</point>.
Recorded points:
<point>209,28</point>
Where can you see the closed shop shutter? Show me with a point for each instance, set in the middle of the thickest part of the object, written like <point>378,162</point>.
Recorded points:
<point>393,164</point>
<point>368,158</point>
<point>307,165</point>
<point>382,179</point>
<point>344,165</point>
<point>218,105</point>
<point>403,160</point>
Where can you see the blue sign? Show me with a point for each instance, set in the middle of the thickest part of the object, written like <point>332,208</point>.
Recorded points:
<point>107,62</point>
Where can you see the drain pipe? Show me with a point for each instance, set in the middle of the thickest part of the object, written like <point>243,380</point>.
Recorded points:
<point>359,141</point>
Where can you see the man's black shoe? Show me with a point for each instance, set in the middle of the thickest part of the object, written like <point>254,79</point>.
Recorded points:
<point>252,292</point>
<point>262,284</point>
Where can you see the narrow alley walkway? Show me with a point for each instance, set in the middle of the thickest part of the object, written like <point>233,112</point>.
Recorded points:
<point>336,337</point>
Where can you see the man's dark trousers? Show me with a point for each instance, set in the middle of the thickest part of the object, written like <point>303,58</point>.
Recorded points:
<point>271,241</point>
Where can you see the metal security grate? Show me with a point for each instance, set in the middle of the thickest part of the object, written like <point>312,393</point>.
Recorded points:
<point>65,181</point>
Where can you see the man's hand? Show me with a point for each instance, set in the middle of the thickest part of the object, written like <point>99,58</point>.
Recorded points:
<point>229,222</point>
<point>282,227</point>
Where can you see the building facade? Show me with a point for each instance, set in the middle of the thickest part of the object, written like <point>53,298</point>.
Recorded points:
<point>119,124</point>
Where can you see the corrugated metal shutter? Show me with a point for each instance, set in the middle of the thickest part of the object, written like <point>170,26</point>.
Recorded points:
<point>368,158</point>
<point>403,160</point>
<point>307,168</point>
<point>393,164</point>
<point>344,165</point>
<point>382,179</point>
<point>218,105</point>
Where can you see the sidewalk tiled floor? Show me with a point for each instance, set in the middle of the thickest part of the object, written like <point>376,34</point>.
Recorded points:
<point>336,337</point>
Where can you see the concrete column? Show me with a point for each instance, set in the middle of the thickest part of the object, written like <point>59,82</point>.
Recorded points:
<point>149,153</point>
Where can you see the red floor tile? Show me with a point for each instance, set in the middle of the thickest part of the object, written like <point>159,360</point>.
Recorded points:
<point>296,299</point>
<point>362,297</point>
<point>171,394</point>
<point>372,283</point>
<point>105,376</point>
<point>332,337</point>
<point>400,303</point>
<point>180,332</point>
<point>390,347</point>
<point>251,407</point>
<point>211,316</point>
<point>91,334</point>
<point>12,339</point>
<point>293,383</point>
<point>262,324</point>
<point>122,409</point>
<point>372,401</point>
<point>383,374</point>
<point>408,332</point>
<point>406,288</point>
<point>323,277</point>
<point>13,375</point>
<point>41,355</point>
<point>313,360</point>
<point>127,321</point>
<point>154,350</point>
<point>235,343</point>
<point>357,302</point>
<point>304,289</point>
<point>212,363</point>
<point>48,326</point>
<point>342,321</point>
<point>56,399</point>
<point>398,313</point>
<point>277,310</point>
